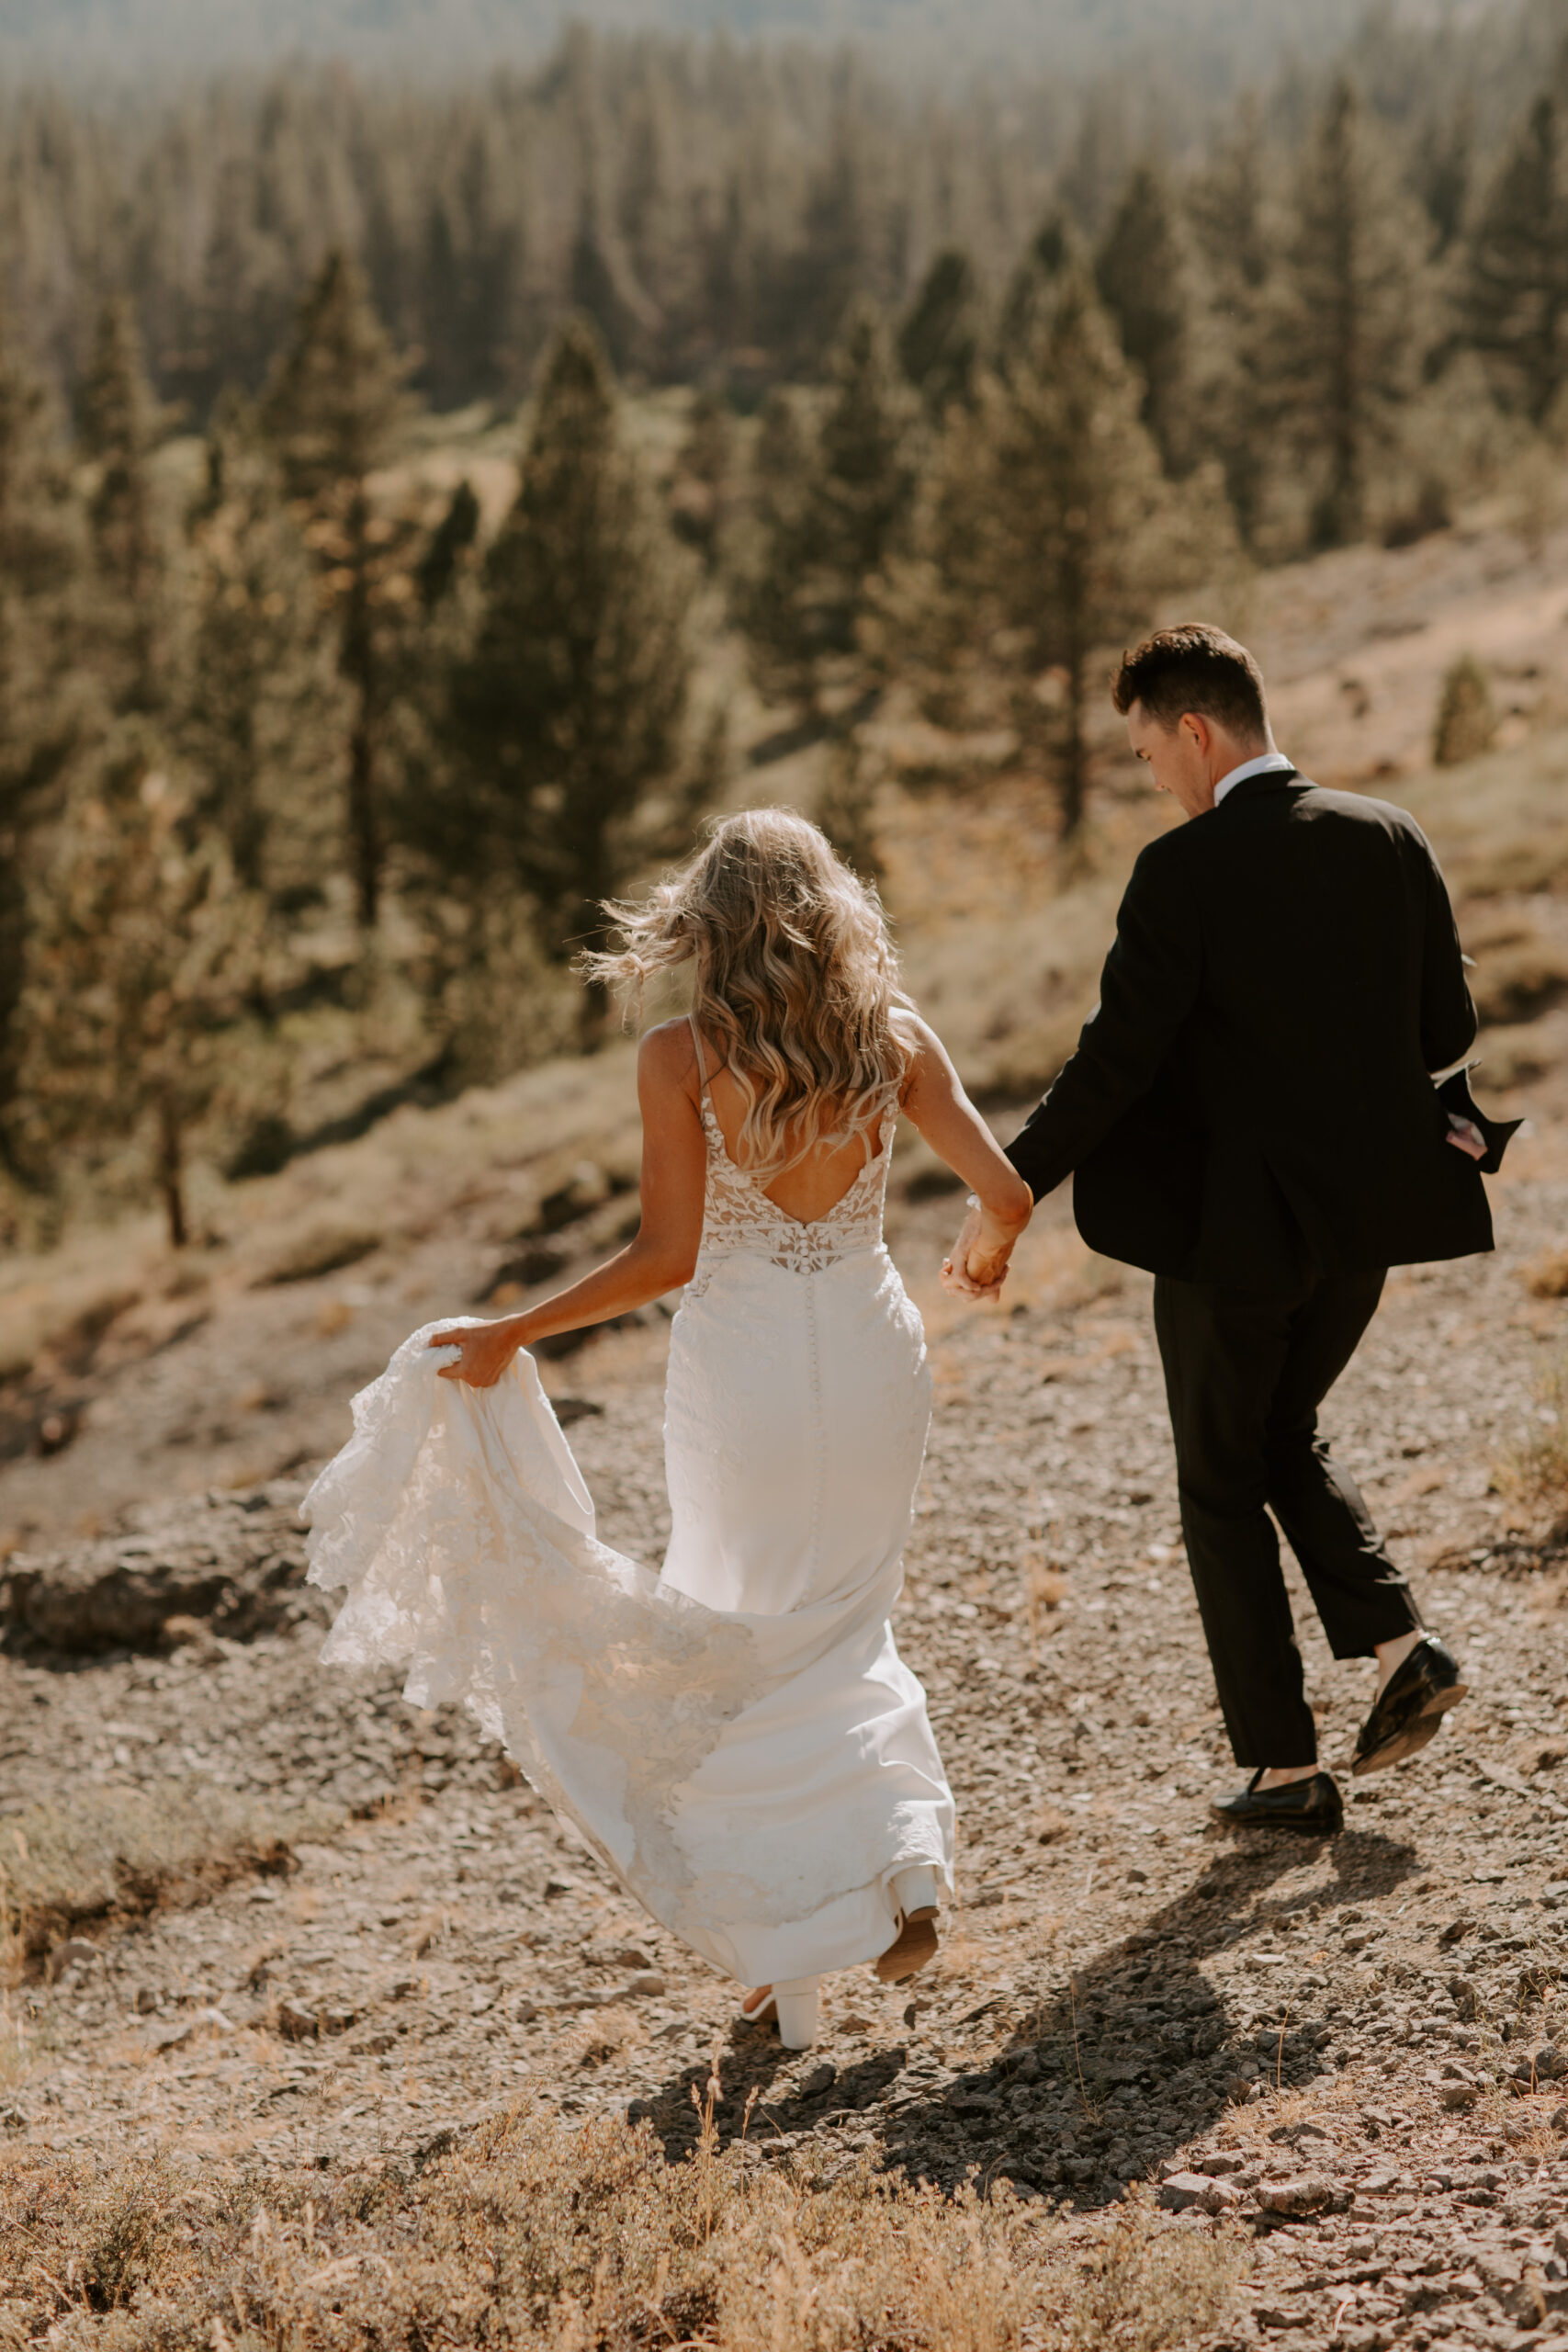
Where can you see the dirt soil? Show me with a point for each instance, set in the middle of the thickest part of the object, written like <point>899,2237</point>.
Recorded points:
<point>1357,2049</point>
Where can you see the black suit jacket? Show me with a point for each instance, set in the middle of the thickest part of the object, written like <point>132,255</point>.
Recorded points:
<point>1251,1101</point>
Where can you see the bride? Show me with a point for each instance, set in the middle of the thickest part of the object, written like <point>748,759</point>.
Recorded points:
<point>737,1736</point>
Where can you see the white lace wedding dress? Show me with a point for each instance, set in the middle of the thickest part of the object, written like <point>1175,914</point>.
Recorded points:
<point>737,1736</point>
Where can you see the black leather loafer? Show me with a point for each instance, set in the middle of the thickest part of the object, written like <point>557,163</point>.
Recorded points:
<point>1315,1807</point>
<point>1414,1700</point>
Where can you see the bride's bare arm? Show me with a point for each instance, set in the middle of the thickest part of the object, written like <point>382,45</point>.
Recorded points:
<point>664,1251</point>
<point>935,1102</point>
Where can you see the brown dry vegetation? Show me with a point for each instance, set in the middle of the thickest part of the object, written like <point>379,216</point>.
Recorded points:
<point>532,2234</point>
<point>1534,1469</point>
<point>109,1857</point>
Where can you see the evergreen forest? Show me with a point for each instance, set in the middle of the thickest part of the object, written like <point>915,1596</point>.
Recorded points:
<point>405,484</point>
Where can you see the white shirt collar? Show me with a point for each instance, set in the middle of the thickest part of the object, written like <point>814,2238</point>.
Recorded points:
<point>1266,763</point>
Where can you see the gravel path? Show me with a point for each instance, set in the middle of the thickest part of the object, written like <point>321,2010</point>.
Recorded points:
<point>1358,2047</point>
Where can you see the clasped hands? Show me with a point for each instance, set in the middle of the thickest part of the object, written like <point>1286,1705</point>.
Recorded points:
<point>976,1266</point>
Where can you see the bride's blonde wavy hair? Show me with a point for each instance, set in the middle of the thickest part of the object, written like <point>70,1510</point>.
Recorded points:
<point>797,981</point>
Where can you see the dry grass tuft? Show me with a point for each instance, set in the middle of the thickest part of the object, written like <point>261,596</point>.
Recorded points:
<point>1534,1470</point>
<point>1547,1276</point>
<point>118,1854</point>
<point>535,2236</point>
<point>1518,978</point>
<point>1143,2289</point>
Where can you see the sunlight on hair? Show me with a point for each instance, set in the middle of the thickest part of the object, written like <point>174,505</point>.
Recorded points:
<point>797,981</point>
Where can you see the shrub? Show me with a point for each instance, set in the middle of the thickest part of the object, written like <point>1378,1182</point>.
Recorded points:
<point>1535,1467</point>
<point>1466,722</point>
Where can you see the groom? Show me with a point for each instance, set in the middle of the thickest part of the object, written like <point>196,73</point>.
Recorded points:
<point>1251,1115</point>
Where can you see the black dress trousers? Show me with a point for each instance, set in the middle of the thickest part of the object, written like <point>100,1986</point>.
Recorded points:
<point>1245,1374</point>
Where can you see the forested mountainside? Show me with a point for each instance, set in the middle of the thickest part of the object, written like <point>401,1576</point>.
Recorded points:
<point>868,421</point>
<point>1234,37</point>
<point>713,205</point>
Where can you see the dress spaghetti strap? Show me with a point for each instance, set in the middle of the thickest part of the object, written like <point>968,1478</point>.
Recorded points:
<point>702,1058</point>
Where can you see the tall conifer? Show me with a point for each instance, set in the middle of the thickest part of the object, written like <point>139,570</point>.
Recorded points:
<point>1050,532</point>
<point>939,343</point>
<point>331,412</point>
<point>47,699</point>
<point>830,527</point>
<point>1516,302</point>
<point>117,424</point>
<point>1034,286</point>
<point>1141,273</point>
<point>568,706</point>
<point>1235,399</point>
<point>264,713</point>
<point>700,495</point>
<point>141,966</point>
<point>1344,333</point>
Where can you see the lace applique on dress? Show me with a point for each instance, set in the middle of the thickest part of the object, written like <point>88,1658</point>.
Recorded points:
<point>739,1219</point>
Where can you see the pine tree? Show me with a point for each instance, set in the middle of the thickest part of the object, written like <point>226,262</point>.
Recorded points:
<point>865,473</point>
<point>699,497</point>
<point>264,713</point>
<point>831,265</point>
<point>1050,532</point>
<point>336,397</point>
<point>450,542</point>
<point>117,426</point>
<point>567,710</point>
<point>767,599</point>
<point>332,412</point>
<point>1445,168</point>
<point>939,344</point>
<point>1235,402</point>
<point>1034,286</point>
<point>1343,339</point>
<point>144,956</point>
<point>1141,274</point>
<point>234,318</point>
<point>1516,310</point>
<point>471,269</point>
<point>826,532</point>
<point>47,699</point>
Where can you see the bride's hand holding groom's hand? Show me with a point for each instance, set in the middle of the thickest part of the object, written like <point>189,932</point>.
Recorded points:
<point>1001,1204</point>
<point>976,1267</point>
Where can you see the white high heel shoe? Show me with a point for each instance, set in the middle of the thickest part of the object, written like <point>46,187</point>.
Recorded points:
<point>794,2004</point>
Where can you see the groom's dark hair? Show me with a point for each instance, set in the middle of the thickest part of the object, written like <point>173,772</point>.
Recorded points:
<point>1193,668</point>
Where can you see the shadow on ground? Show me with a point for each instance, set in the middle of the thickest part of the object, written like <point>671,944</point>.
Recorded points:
<point>1135,2056</point>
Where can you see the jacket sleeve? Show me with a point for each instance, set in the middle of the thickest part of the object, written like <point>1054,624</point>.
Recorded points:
<point>1448,1015</point>
<point>1146,990</point>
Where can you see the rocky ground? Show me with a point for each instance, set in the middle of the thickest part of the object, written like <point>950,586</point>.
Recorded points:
<point>1358,2049</point>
